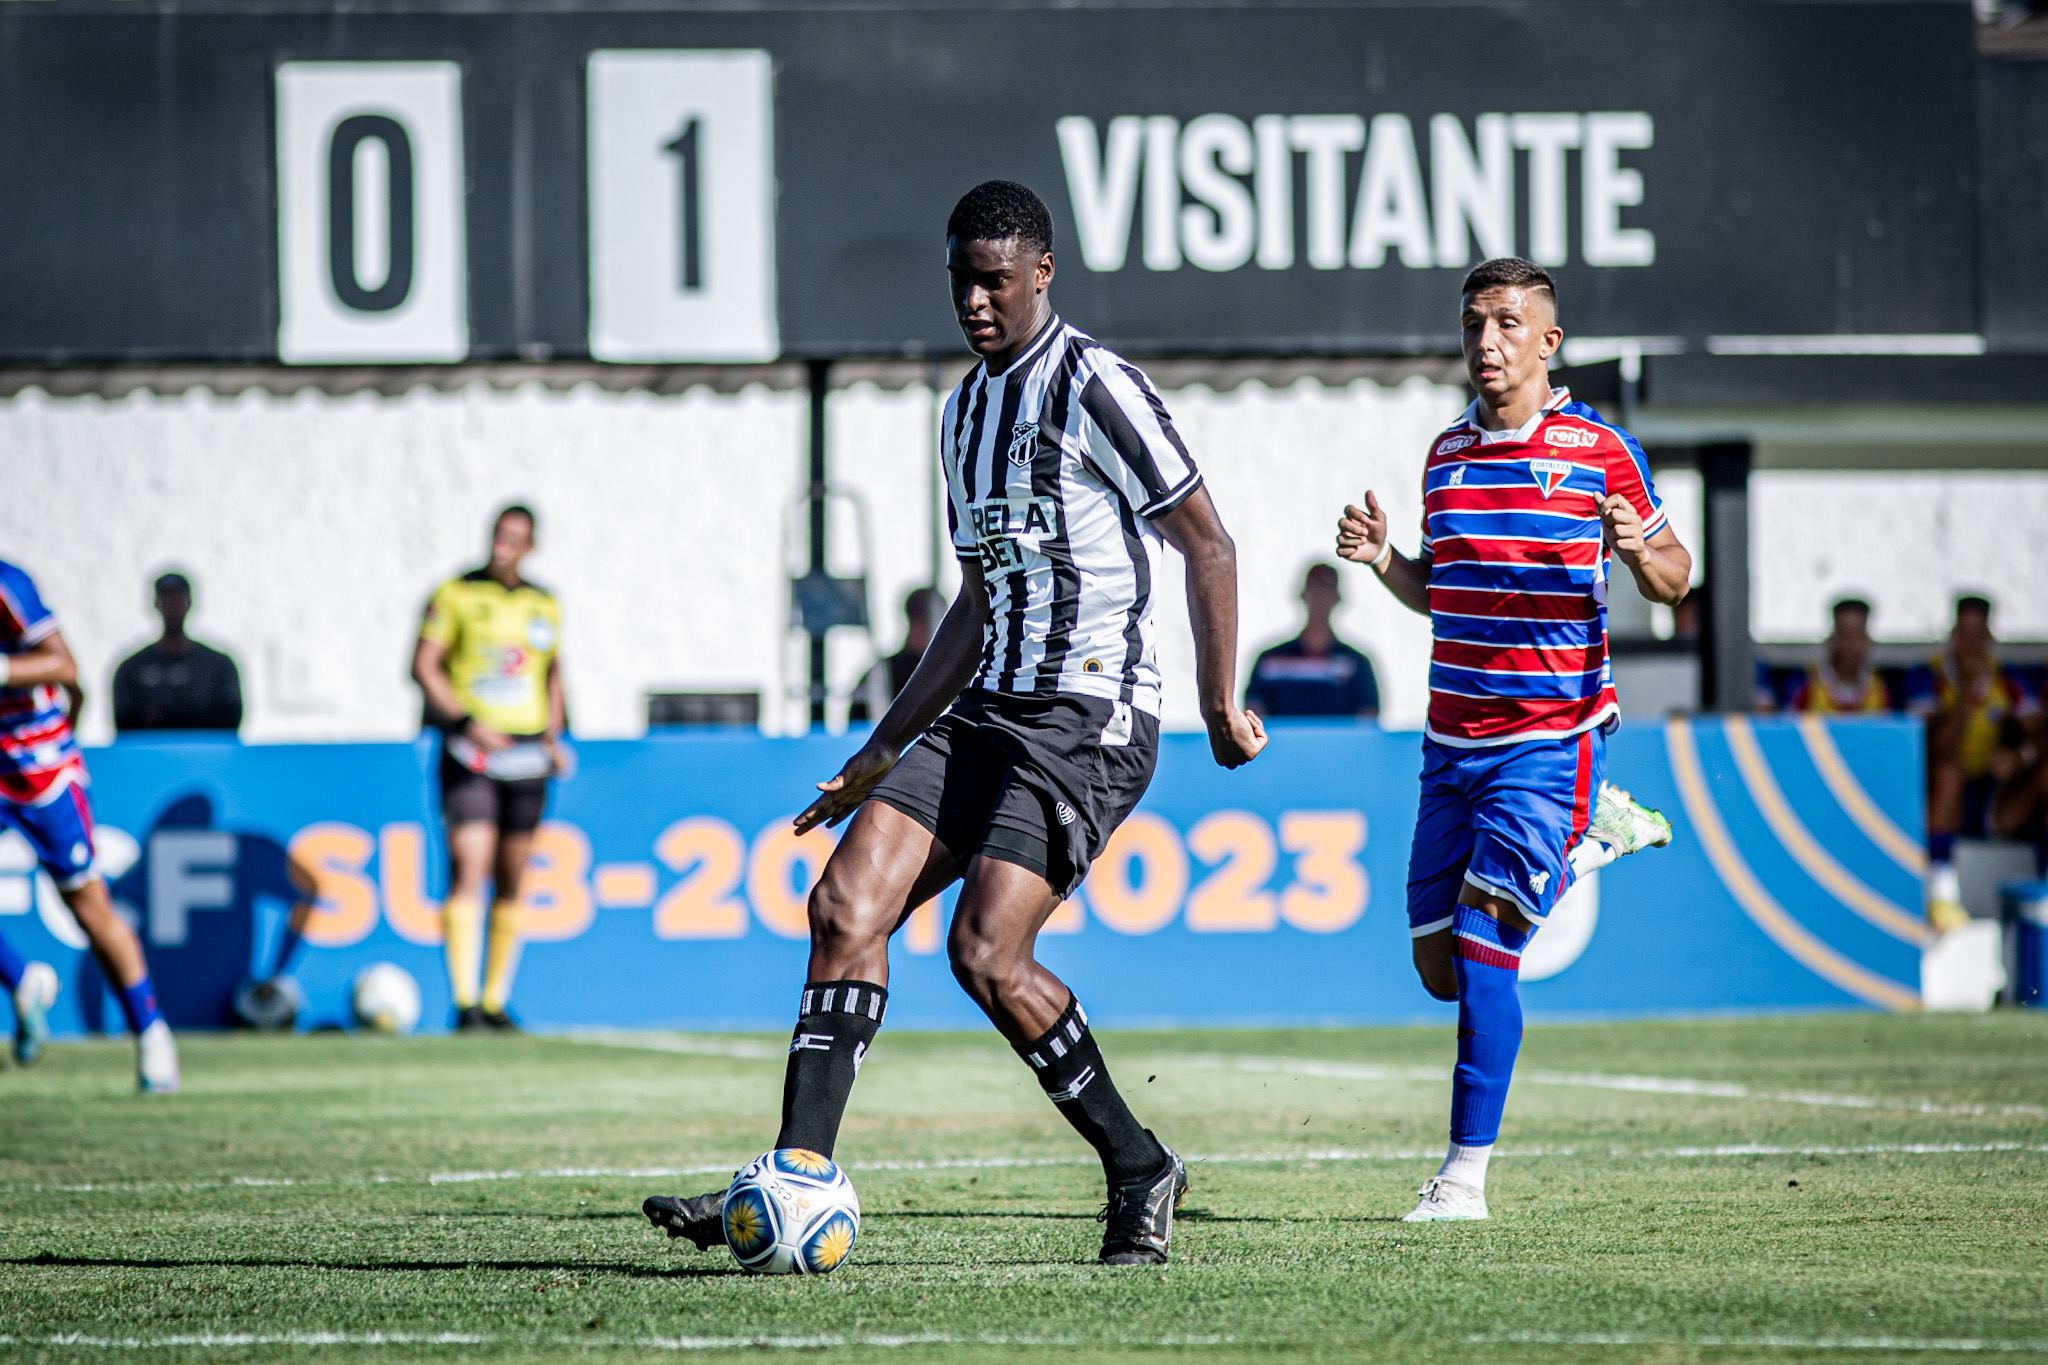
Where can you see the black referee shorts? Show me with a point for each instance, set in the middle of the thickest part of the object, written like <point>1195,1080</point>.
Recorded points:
<point>1027,780</point>
<point>514,807</point>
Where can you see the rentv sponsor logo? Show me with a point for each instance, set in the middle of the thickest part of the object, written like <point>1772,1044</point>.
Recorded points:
<point>1218,193</point>
<point>1453,444</point>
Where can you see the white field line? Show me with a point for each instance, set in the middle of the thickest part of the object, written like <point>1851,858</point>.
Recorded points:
<point>1282,1158</point>
<point>252,1339</point>
<point>996,1163</point>
<point>1780,1342</point>
<point>1593,1080</point>
<point>223,1340</point>
<point>698,1045</point>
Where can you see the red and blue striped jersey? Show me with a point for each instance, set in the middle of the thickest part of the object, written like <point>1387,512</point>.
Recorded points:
<point>1518,572</point>
<point>38,756</point>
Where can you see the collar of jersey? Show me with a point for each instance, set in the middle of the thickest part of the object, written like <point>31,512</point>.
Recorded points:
<point>1558,398</point>
<point>1030,357</point>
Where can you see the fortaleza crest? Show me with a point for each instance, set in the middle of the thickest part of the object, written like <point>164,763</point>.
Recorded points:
<point>1549,474</point>
<point>1023,443</point>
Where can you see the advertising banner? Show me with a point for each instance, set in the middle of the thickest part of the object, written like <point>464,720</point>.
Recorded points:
<point>668,889</point>
<point>632,183</point>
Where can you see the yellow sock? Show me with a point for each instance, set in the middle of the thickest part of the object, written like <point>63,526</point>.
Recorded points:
<point>462,926</point>
<point>501,955</point>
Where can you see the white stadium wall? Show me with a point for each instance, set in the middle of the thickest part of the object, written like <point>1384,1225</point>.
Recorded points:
<point>314,528</point>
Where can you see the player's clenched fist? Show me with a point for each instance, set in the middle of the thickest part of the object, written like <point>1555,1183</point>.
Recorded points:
<point>1362,536</point>
<point>1623,528</point>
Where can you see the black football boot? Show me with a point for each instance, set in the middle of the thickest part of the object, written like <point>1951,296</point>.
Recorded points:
<point>1140,1216</point>
<point>701,1219</point>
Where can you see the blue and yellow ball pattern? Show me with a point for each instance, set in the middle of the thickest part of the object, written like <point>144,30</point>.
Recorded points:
<point>791,1212</point>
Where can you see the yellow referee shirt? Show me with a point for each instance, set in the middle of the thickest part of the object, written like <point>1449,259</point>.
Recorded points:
<point>500,642</point>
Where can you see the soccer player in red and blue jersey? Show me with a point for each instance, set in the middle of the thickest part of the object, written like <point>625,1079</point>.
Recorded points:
<point>42,795</point>
<point>1528,500</point>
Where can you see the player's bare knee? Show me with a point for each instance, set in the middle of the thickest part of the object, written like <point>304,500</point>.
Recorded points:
<point>842,923</point>
<point>983,966</point>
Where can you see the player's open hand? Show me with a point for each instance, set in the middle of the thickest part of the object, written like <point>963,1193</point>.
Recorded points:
<point>844,792</point>
<point>1362,535</point>
<point>1622,527</point>
<point>1236,737</point>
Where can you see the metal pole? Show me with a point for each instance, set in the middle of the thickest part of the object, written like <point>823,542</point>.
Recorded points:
<point>1727,656</point>
<point>820,372</point>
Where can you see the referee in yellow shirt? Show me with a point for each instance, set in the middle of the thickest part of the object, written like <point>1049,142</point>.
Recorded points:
<point>488,661</point>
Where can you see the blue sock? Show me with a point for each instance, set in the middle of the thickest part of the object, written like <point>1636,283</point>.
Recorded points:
<point>1941,848</point>
<point>138,1002</point>
<point>11,965</point>
<point>1488,958</point>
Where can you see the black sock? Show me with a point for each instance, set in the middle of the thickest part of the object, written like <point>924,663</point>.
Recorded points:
<point>834,1025</point>
<point>1076,1080</point>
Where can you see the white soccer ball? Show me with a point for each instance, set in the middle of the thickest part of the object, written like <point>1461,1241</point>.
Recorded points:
<point>791,1212</point>
<point>386,998</point>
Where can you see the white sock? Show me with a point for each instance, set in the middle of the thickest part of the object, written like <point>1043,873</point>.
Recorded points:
<point>1590,856</point>
<point>1942,883</point>
<point>1467,1165</point>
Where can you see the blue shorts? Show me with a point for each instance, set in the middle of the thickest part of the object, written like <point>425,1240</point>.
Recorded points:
<point>1503,818</point>
<point>60,831</point>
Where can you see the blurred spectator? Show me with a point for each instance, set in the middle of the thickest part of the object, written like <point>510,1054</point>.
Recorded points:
<point>1314,674</point>
<point>176,683</point>
<point>1972,702</point>
<point>923,610</point>
<point>1843,678</point>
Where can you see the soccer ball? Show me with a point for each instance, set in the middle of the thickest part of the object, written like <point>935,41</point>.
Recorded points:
<point>386,998</point>
<point>791,1212</point>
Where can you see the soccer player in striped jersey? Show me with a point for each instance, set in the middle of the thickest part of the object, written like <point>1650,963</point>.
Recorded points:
<point>1528,499</point>
<point>42,796</point>
<point>1029,729</point>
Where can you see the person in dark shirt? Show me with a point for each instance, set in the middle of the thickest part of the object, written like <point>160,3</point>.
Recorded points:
<point>923,610</point>
<point>176,683</point>
<point>1314,674</point>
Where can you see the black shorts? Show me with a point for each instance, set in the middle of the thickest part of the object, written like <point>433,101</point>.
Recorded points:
<point>514,807</point>
<point>1028,780</point>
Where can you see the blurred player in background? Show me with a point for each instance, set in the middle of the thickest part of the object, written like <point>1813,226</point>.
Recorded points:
<point>1315,673</point>
<point>1065,482</point>
<point>42,794</point>
<point>1975,706</point>
<point>1843,680</point>
<point>1526,500</point>
<point>489,664</point>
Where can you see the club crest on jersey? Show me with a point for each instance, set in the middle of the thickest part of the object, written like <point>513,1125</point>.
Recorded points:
<point>1570,437</point>
<point>1549,474</point>
<point>1023,443</point>
<point>1451,445</point>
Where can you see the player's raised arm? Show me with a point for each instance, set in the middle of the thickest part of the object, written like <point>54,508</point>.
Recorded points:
<point>1362,538</point>
<point>947,666</point>
<point>1193,528</point>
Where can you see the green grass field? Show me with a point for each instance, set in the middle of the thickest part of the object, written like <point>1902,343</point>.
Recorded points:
<point>1866,1188</point>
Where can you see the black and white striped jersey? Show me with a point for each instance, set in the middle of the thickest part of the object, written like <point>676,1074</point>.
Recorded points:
<point>1054,471</point>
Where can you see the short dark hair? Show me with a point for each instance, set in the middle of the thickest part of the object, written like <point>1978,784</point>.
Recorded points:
<point>1979,605</point>
<point>517,509</point>
<point>1850,604</point>
<point>174,582</point>
<point>1510,272</point>
<point>999,211</point>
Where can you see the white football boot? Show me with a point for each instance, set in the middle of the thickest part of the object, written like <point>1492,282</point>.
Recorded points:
<point>1626,825</point>
<point>156,1060</point>
<point>33,996</point>
<point>1447,1201</point>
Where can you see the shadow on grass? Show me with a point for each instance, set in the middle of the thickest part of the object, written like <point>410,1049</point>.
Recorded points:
<point>638,1272</point>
